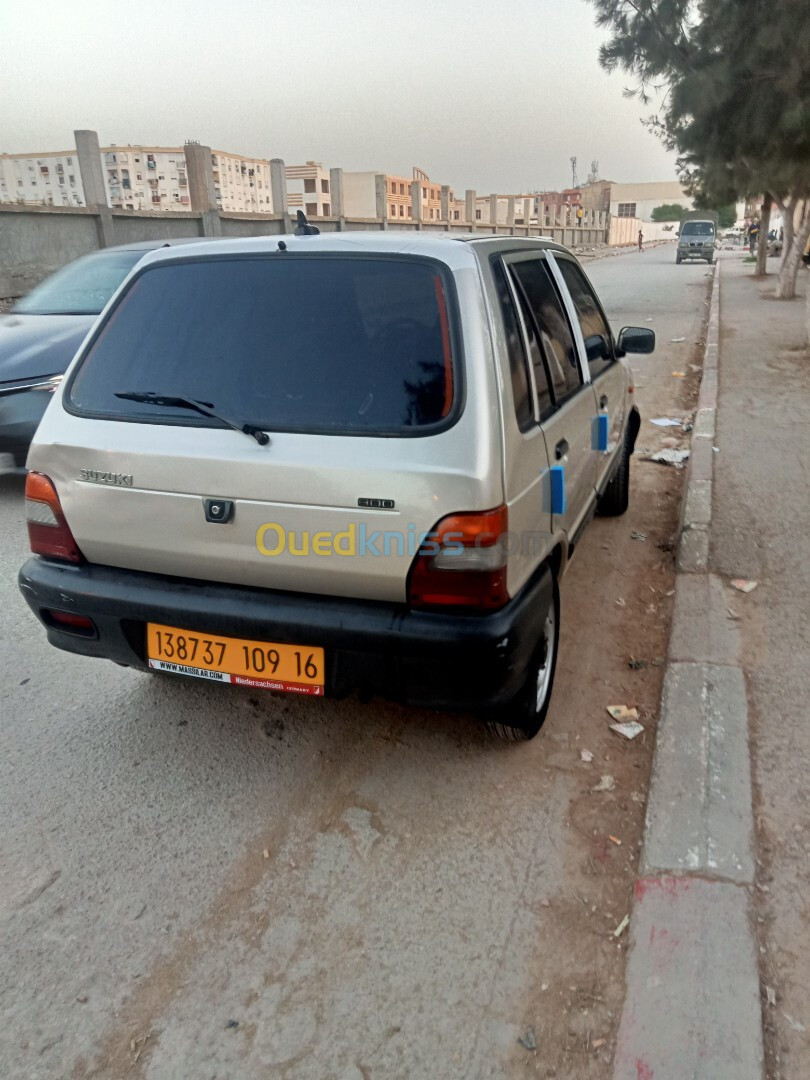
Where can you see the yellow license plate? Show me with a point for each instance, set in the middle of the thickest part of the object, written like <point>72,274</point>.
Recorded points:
<point>265,665</point>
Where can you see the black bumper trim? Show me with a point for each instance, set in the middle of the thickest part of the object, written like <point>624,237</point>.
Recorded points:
<point>435,659</point>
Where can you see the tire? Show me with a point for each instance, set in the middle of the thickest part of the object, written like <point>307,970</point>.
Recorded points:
<point>615,499</point>
<point>710,261</point>
<point>677,260</point>
<point>523,717</point>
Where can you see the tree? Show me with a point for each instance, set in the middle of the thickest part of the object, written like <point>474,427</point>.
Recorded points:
<point>737,106</point>
<point>667,212</point>
<point>726,214</point>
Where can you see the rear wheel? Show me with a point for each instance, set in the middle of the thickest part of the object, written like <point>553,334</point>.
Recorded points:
<point>523,717</point>
<point>677,260</point>
<point>615,499</point>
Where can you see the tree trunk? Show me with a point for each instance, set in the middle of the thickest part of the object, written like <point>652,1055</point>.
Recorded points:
<point>764,226</point>
<point>786,286</point>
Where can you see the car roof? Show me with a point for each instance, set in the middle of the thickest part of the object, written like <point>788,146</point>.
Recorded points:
<point>452,248</point>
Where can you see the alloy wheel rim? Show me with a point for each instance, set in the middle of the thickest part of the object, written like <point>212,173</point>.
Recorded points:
<point>544,670</point>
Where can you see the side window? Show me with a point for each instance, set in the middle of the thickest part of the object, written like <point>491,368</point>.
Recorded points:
<point>521,391</point>
<point>595,330</point>
<point>545,406</point>
<point>551,327</point>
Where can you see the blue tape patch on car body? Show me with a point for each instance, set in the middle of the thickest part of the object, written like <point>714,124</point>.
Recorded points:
<point>557,489</point>
<point>600,432</point>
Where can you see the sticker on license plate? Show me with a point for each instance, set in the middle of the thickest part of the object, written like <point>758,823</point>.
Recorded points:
<point>264,665</point>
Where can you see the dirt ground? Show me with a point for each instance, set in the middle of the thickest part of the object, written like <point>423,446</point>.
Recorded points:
<point>575,1013</point>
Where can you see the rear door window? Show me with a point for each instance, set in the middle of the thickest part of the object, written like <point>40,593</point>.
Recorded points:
<point>521,390</point>
<point>556,339</point>
<point>283,342</point>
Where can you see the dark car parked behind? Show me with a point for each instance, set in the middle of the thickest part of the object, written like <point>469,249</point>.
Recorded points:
<point>40,335</point>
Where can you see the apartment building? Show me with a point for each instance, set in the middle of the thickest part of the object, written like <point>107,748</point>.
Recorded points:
<point>360,195</point>
<point>242,184</point>
<point>135,178</point>
<point>308,189</point>
<point>52,178</point>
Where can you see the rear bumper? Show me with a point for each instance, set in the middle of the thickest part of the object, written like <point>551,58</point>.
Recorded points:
<point>456,661</point>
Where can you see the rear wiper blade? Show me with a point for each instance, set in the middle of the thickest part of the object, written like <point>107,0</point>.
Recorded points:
<point>173,401</point>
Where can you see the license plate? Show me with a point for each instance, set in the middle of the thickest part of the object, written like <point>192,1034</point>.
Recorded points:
<point>265,665</point>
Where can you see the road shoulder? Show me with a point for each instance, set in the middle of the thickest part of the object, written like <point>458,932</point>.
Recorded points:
<point>693,957</point>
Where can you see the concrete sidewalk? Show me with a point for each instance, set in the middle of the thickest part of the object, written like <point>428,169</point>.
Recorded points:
<point>693,1005</point>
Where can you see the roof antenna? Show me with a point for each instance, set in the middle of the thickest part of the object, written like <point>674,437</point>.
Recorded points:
<point>303,228</point>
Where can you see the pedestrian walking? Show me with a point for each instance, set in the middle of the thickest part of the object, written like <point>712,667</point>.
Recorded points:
<point>640,240</point>
<point>753,236</point>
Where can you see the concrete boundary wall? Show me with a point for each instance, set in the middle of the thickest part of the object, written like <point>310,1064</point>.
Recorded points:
<point>36,240</point>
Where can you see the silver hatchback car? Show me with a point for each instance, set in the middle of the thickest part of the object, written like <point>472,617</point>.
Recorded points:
<point>325,464</point>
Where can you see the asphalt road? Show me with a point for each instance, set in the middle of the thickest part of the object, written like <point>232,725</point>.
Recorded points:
<point>210,882</point>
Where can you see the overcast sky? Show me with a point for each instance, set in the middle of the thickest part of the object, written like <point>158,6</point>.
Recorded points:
<point>486,94</point>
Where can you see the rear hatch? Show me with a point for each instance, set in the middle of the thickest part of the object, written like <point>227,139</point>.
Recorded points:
<point>353,364</point>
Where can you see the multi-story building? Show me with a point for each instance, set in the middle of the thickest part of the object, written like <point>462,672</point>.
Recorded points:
<point>360,195</point>
<point>308,189</point>
<point>242,184</point>
<point>135,178</point>
<point>52,178</point>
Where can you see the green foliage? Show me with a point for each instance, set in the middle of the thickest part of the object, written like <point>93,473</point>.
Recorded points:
<point>667,212</point>
<point>737,76</point>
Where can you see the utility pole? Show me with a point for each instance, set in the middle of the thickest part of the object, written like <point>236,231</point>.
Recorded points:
<point>574,172</point>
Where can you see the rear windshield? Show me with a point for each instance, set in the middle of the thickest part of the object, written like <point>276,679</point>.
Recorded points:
<point>82,287</point>
<point>283,342</point>
<point>698,228</point>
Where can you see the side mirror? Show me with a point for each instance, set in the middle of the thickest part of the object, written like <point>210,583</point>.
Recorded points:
<point>636,339</point>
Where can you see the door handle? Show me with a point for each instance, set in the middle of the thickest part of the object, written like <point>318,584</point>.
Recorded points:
<point>603,401</point>
<point>561,449</point>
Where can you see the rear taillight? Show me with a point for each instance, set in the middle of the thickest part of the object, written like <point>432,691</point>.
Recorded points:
<point>48,532</point>
<point>462,563</point>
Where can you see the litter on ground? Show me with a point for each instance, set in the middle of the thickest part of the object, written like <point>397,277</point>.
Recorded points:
<point>743,585</point>
<point>607,783</point>
<point>679,374</point>
<point>528,1041</point>
<point>615,840</point>
<point>666,421</point>
<point>676,340</point>
<point>620,929</point>
<point>670,457</point>
<point>585,755</point>
<point>638,536</point>
<point>629,731</point>
<point>621,712</point>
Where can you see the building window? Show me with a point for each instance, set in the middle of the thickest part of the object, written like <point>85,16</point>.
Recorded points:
<point>431,213</point>
<point>393,210</point>
<point>393,188</point>
<point>424,192</point>
<point>327,210</point>
<point>627,209</point>
<point>311,209</point>
<point>309,185</point>
<point>477,215</point>
<point>456,215</point>
<point>325,187</point>
<point>401,210</point>
<point>402,189</point>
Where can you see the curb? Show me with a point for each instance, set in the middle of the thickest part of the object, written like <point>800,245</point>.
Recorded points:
<point>692,1007</point>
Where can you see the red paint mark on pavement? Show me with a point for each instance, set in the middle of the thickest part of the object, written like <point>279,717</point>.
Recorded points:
<point>668,886</point>
<point>644,1072</point>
